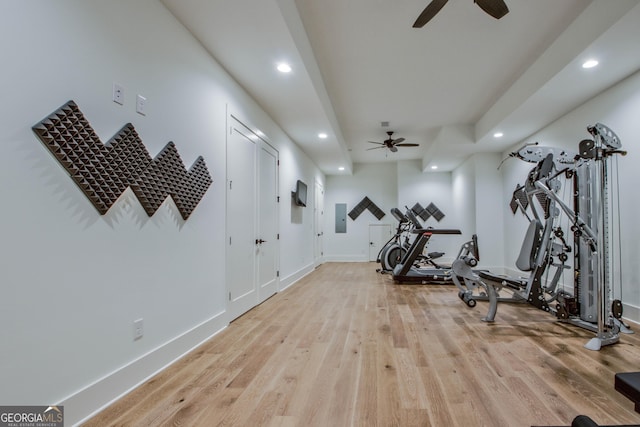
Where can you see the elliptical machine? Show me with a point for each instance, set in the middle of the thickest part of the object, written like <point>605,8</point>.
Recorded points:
<point>395,248</point>
<point>590,305</point>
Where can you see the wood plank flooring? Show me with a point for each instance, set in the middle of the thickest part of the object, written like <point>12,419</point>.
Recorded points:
<point>347,347</point>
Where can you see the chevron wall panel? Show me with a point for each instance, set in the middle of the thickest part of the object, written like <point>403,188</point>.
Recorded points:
<point>430,211</point>
<point>519,196</point>
<point>365,204</point>
<point>104,171</point>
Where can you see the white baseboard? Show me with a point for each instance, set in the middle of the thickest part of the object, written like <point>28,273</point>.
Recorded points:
<point>285,282</point>
<point>85,403</point>
<point>631,312</point>
<point>346,258</point>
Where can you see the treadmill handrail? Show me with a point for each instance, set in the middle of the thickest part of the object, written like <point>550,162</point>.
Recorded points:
<point>436,231</point>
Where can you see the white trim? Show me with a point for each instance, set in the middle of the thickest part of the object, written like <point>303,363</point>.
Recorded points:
<point>285,282</point>
<point>347,258</point>
<point>631,312</point>
<point>87,402</point>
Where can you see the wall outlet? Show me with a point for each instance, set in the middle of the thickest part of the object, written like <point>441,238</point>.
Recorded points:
<point>141,105</point>
<point>118,94</point>
<point>138,329</point>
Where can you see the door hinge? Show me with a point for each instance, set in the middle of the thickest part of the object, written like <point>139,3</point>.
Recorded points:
<point>278,199</point>
<point>229,240</point>
<point>278,162</point>
<point>230,185</point>
<point>278,273</point>
<point>278,236</point>
<point>229,296</point>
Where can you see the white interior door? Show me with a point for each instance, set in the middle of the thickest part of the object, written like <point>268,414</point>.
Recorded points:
<point>252,219</point>
<point>268,223</point>
<point>241,226</point>
<point>379,234</point>
<point>319,224</point>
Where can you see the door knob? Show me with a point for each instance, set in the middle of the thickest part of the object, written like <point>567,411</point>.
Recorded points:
<point>260,241</point>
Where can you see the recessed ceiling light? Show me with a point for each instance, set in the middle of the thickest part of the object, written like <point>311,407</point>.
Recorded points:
<point>283,67</point>
<point>322,135</point>
<point>341,168</point>
<point>590,63</point>
<point>434,167</point>
<point>498,135</point>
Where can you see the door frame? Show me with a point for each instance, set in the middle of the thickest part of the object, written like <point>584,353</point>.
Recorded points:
<point>318,224</point>
<point>235,307</point>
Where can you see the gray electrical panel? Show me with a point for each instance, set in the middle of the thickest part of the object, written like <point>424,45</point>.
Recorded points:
<point>341,217</point>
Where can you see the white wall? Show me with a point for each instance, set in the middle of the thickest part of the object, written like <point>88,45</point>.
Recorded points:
<point>464,196</point>
<point>414,186</point>
<point>477,198</point>
<point>489,213</point>
<point>392,185</point>
<point>618,108</point>
<point>378,182</point>
<point>296,222</point>
<point>74,281</point>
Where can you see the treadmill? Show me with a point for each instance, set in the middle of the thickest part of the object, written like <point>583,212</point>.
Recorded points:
<point>406,272</point>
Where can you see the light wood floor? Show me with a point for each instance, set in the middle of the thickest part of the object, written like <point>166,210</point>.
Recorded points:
<point>345,346</point>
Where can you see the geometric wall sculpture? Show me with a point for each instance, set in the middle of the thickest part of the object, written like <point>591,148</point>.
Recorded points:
<point>428,212</point>
<point>364,205</point>
<point>419,210</point>
<point>434,212</point>
<point>104,171</point>
<point>519,198</point>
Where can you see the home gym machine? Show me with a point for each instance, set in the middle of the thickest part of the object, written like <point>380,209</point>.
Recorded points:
<point>545,250</point>
<point>408,270</point>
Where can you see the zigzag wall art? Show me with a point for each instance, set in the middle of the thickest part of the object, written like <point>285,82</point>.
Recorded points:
<point>428,212</point>
<point>519,197</point>
<point>365,204</point>
<point>104,171</point>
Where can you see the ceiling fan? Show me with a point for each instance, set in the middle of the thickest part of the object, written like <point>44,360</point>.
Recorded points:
<point>391,143</point>
<point>495,8</point>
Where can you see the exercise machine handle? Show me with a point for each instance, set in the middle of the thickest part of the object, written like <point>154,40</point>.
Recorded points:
<point>436,231</point>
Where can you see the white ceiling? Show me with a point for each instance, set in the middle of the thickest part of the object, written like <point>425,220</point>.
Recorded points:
<point>447,86</point>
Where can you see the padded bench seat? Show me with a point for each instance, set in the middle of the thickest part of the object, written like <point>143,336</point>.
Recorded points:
<point>508,281</point>
<point>628,383</point>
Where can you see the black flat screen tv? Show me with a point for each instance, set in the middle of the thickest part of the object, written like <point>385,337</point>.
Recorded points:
<point>300,195</point>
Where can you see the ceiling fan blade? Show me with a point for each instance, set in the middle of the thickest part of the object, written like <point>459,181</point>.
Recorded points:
<point>397,141</point>
<point>495,8</point>
<point>407,144</point>
<point>429,12</point>
<point>374,142</point>
<point>393,149</point>
<point>374,148</point>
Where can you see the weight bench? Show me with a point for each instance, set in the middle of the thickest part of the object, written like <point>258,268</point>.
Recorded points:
<point>585,421</point>
<point>628,383</point>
